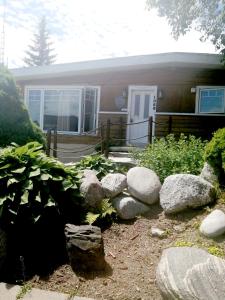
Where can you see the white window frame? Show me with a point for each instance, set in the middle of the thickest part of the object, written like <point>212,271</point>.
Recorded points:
<point>65,87</point>
<point>197,99</point>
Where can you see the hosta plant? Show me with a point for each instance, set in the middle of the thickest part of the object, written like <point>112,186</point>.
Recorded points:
<point>31,183</point>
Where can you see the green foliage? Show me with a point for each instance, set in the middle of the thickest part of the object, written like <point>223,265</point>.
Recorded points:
<point>216,250</point>
<point>204,16</point>
<point>40,53</point>
<point>105,210</point>
<point>167,156</point>
<point>15,123</point>
<point>215,152</point>
<point>25,289</point>
<point>98,163</point>
<point>31,182</point>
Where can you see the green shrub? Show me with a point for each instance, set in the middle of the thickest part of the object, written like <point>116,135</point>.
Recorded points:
<point>167,156</point>
<point>15,123</point>
<point>215,152</point>
<point>99,163</point>
<point>31,183</point>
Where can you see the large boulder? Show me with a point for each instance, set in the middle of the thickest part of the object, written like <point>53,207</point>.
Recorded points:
<point>91,189</point>
<point>208,173</point>
<point>181,191</point>
<point>190,273</point>
<point>128,207</point>
<point>143,184</point>
<point>114,184</point>
<point>214,224</point>
<point>85,247</point>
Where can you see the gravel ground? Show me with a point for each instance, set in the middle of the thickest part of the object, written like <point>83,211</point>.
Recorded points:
<point>132,255</point>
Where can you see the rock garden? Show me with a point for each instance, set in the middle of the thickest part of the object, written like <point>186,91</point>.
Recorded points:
<point>94,229</point>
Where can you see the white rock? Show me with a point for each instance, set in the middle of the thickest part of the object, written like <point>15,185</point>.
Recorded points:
<point>190,273</point>
<point>143,184</point>
<point>181,191</point>
<point>214,224</point>
<point>158,232</point>
<point>208,173</point>
<point>128,207</point>
<point>91,189</point>
<point>114,184</point>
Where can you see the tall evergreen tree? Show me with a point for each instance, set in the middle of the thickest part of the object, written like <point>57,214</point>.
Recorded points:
<point>40,53</point>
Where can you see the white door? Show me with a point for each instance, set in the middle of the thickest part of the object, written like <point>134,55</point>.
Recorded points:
<point>142,105</point>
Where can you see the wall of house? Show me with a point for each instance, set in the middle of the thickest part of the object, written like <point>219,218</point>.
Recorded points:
<point>175,84</point>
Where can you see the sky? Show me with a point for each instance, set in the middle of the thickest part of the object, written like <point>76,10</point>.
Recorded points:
<point>92,29</point>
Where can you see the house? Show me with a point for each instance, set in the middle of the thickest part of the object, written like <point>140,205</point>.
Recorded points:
<point>183,92</point>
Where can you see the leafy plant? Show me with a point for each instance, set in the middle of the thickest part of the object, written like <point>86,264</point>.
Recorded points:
<point>215,152</point>
<point>104,211</point>
<point>99,163</point>
<point>167,156</point>
<point>25,289</point>
<point>15,123</point>
<point>31,182</point>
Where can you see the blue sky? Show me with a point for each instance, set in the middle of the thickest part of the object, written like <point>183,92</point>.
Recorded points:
<point>92,29</point>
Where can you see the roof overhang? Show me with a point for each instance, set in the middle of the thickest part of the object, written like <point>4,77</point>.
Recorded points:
<point>163,60</point>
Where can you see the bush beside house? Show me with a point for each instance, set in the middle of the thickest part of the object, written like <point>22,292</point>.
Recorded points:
<point>15,123</point>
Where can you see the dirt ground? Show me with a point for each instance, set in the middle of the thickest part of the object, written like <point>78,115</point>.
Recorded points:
<point>132,255</point>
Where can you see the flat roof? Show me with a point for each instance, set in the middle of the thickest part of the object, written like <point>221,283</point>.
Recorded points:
<point>172,59</point>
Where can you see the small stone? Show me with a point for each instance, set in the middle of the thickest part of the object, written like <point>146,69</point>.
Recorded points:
<point>214,224</point>
<point>179,228</point>
<point>156,232</point>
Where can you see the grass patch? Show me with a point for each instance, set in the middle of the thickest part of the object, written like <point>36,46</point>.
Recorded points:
<point>25,288</point>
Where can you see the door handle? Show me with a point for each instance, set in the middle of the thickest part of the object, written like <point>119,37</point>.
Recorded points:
<point>131,120</point>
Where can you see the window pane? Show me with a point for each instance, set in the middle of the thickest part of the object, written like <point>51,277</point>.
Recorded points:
<point>212,102</point>
<point>137,105</point>
<point>34,104</point>
<point>146,107</point>
<point>90,109</point>
<point>61,109</point>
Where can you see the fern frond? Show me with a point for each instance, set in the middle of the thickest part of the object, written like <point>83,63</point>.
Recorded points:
<point>91,218</point>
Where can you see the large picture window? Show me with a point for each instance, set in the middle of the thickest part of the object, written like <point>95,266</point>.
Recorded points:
<point>211,100</point>
<point>69,110</point>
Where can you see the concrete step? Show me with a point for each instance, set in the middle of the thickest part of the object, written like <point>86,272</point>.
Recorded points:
<point>119,154</point>
<point>123,161</point>
<point>121,149</point>
<point>12,292</point>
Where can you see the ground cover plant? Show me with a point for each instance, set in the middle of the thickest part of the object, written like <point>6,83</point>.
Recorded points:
<point>15,123</point>
<point>167,155</point>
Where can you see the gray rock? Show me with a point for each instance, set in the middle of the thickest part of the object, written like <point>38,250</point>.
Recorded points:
<point>143,184</point>
<point>156,232</point>
<point>85,247</point>
<point>190,273</point>
<point>91,189</point>
<point>181,191</point>
<point>208,173</point>
<point>114,184</point>
<point>128,207</point>
<point>214,224</point>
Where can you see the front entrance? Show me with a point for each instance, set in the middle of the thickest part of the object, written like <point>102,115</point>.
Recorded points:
<point>141,105</point>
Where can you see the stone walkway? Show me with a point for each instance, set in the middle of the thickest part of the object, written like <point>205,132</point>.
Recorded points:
<point>11,292</point>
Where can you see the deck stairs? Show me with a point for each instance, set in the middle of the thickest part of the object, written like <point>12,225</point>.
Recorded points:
<point>122,156</point>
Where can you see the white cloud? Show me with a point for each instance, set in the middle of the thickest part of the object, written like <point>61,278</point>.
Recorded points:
<point>96,29</point>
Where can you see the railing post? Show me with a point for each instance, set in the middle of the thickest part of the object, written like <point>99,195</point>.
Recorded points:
<point>107,138</point>
<point>102,138</point>
<point>55,143</point>
<point>48,142</point>
<point>121,131</point>
<point>170,125</point>
<point>150,121</point>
